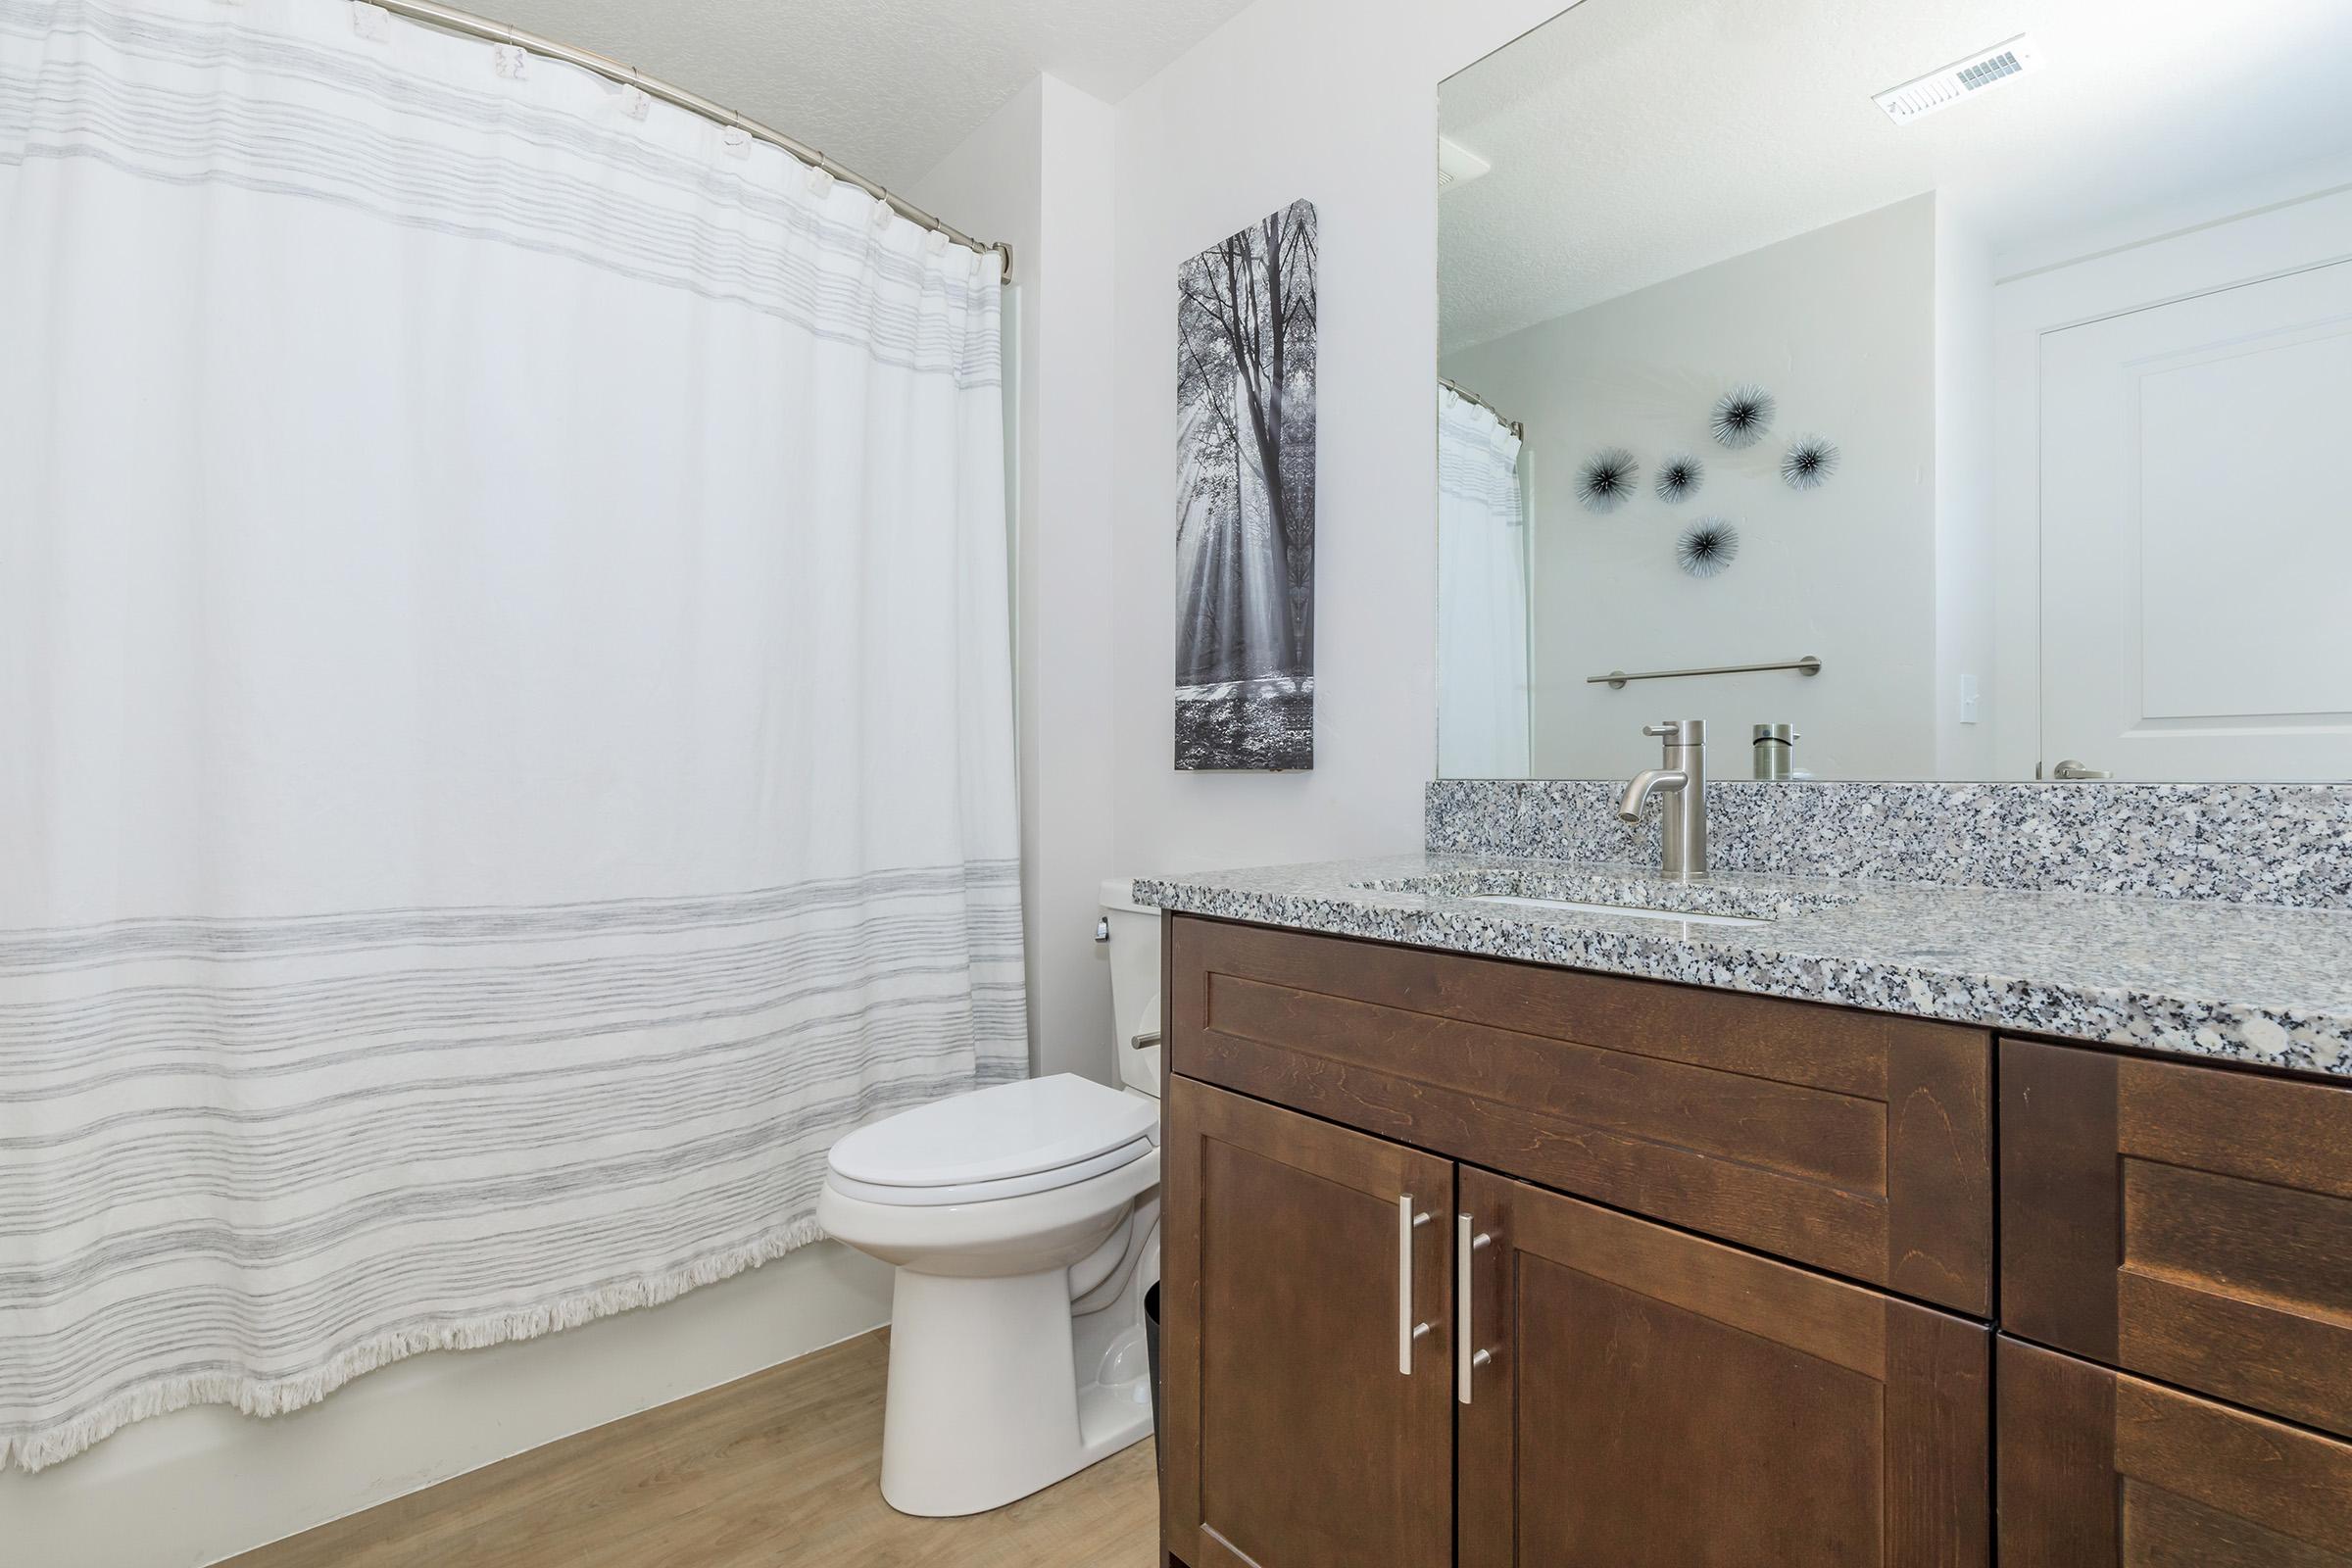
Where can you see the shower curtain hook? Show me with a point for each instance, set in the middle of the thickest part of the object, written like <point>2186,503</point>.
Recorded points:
<point>635,101</point>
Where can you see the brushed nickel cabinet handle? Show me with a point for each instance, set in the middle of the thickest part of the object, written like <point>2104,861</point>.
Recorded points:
<point>1467,1359</point>
<point>1408,1331</point>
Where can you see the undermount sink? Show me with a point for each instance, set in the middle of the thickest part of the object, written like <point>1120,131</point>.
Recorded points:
<point>1576,889</point>
<point>1575,907</point>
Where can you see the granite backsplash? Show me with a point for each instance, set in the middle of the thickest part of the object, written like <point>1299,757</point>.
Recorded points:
<point>2276,844</point>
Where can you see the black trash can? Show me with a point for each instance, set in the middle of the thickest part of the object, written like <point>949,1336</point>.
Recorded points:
<point>1151,1351</point>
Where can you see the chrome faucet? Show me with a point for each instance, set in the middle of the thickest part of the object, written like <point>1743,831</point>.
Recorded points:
<point>1683,780</point>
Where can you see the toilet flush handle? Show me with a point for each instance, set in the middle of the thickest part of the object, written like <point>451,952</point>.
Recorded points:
<point>1102,928</point>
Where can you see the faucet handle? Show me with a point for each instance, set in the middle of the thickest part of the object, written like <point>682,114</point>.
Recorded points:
<point>1679,731</point>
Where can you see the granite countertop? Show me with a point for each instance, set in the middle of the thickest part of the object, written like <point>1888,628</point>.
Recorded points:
<point>2245,982</point>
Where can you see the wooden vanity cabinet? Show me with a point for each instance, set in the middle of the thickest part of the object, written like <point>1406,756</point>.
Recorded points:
<point>1725,1272</point>
<point>1854,1143</point>
<point>1646,1398</point>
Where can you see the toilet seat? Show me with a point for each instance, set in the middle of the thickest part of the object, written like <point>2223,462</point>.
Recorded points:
<point>1041,1181</point>
<point>1008,1141</point>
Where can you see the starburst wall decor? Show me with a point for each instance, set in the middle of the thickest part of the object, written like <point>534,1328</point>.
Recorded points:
<point>1679,478</point>
<point>1607,479</point>
<point>1808,461</point>
<point>1740,417</point>
<point>1707,547</point>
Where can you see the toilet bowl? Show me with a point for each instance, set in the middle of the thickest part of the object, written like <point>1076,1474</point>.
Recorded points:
<point>1023,1222</point>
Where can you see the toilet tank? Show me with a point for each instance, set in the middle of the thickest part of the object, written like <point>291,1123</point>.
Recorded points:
<point>1134,947</point>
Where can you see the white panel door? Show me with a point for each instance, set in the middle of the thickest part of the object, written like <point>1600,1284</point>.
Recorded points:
<point>2196,536</point>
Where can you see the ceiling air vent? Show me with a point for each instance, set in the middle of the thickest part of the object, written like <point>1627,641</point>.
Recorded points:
<point>1960,80</point>
<point>1457,164</point>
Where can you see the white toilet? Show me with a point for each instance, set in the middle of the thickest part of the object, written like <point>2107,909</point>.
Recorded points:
<point>1024,1221</point>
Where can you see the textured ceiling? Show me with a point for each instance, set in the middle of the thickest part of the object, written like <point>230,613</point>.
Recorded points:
<point>885,87</point>
<point>1636,140</point>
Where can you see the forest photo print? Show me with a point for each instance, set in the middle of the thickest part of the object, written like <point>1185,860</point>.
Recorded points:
<point>1245,499</point>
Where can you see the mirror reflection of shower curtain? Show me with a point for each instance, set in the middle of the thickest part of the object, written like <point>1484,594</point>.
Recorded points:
<point>1482,594</point>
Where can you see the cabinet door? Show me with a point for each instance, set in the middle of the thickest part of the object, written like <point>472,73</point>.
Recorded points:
<point>2102,1470</point>
<point>1306,1424</point>
<point>1653,1399</point>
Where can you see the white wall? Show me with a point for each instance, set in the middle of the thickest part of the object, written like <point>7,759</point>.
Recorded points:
<point>1965,646</point>
<point>205,1483</point>
<point>1040,173</point>
<point>2110,233</point>
<point>1839,325</point>
<point>1334,101</point>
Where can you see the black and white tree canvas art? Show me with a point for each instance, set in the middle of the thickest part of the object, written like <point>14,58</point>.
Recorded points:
<point>1245,499</point>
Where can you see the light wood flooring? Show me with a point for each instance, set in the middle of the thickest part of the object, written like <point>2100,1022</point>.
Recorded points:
<point>779,1468</point>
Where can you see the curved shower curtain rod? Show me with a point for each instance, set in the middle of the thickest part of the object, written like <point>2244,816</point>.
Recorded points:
<point>439,15</point>
<point>1467,396</point>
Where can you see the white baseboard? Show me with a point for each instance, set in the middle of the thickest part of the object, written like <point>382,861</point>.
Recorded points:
<point>202,1484</point>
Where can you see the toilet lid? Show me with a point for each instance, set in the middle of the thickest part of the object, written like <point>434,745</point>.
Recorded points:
<point>995,1134</point>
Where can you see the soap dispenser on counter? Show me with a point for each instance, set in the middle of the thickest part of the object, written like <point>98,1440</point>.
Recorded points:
<point>1775,749</point>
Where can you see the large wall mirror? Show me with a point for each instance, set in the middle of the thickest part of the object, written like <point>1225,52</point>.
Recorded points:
<point>1965,387</point>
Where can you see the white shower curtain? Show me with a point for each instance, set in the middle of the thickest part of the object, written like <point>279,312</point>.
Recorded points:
<point>1482,594</point>
<point>504,716</point>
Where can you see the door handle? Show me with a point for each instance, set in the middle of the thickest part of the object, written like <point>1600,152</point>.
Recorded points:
<point>2069,769</point>
<point>1408,1331</point>
<point>1467,1359</point>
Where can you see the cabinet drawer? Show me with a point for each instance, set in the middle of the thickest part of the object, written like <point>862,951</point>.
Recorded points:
<point>2097,1469</point>
<point>2188,1222</point>
<point>1854,1142</point>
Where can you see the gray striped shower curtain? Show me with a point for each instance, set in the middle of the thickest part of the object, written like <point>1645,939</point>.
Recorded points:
<point>505,698</point>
